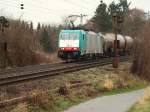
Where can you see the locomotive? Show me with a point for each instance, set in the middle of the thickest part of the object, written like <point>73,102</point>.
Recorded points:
<point>81,44</point>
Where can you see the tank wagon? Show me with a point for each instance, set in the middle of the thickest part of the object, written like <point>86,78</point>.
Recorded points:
<point>125,44</point>
<point>75,44</point>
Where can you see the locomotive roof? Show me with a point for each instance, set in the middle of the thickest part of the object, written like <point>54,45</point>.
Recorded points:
<point>72,31</point>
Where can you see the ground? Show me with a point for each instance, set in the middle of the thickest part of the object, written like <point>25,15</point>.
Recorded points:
<point>75,87</point>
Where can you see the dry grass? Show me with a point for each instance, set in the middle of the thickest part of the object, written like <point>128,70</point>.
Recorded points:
<point>22,107</point>
<point>54,57</point>
<point>108,84</point>
<point>101,79</point>
<point>143,105</point>
<point>145,98</point>
<point>41,100</point>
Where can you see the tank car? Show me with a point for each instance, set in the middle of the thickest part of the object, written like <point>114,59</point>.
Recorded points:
<point>129,44</point>
<point>125,44</point>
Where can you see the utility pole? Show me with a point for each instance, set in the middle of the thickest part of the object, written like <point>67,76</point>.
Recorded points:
<point>115,27</point>
<point>117,20</point>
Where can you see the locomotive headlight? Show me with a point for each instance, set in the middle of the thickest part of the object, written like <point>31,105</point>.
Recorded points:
<point>62,48</point>
<point>75,48</point>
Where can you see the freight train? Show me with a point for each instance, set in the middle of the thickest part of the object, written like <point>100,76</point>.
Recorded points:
<point>81,44</point>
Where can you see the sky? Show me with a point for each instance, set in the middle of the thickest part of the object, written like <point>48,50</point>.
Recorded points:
<point>53,11</point>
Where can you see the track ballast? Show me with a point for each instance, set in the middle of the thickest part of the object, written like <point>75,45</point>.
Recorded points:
<point>19,75</point>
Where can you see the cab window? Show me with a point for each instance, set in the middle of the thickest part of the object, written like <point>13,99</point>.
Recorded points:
<point>74,36</point>
<point>64,36</point>
<point>69,36</point>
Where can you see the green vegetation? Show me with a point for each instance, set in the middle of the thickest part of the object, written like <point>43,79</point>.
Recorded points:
<point>133,19</point>
<point>101,81</point>
<point>126,89</point>
<point>66,103</point>
<point>143,105</point>
<point>63,104</point>
<point>28,46</point>
<point>103,15</point>
<point>144,108</point>
<point>48,37</point>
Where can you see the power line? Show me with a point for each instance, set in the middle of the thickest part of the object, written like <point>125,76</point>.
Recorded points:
<point>38,8</point>
<point>52,10</point>
<point>11,5</point>
<point>91,2</point>
<point>34,5</point>
<point>41,7</point>
<point>27,9</point>
<point>70,2</point>
<point>47,9</point>
<point>75,4</point>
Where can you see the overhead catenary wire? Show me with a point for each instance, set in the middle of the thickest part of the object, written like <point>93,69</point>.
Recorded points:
<point>36,9</point>
<point>37,6</point>
<point>48,9</point>
<point>31,3</point>
<point>42,9</point>
<point>17,6</point>
<point>77,5</point>
<point>85,7</point>
<point>91,2</point>
<point>35,3</point>
<point>28,10</point>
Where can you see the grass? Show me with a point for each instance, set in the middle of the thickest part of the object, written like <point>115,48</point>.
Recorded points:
<point>143,105</point>
<point>66,103</point>
<point>103,82</point>
<point>63,104</point>
<point>125,90</point>
<point>145,108</point>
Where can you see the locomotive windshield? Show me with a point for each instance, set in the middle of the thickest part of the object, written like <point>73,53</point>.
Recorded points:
<point>69,36</point>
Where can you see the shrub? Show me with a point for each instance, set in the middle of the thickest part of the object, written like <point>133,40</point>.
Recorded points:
<point>141,62</point>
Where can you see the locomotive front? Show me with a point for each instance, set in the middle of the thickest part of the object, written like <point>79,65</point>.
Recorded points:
<point>69,44</point>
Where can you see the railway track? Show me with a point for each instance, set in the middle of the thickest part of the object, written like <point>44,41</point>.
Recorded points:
<point>26,68</point>
<point>20,75</point>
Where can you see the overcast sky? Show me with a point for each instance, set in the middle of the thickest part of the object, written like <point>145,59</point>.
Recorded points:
<point>52,11</point>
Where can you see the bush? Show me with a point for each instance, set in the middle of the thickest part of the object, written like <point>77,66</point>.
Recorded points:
<point>25,44</point>
<point>141,62</point>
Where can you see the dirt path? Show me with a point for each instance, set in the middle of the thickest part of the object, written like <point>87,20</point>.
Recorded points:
<point>115,103</point>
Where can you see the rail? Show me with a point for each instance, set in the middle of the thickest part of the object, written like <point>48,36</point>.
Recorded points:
<point>19,77</point>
